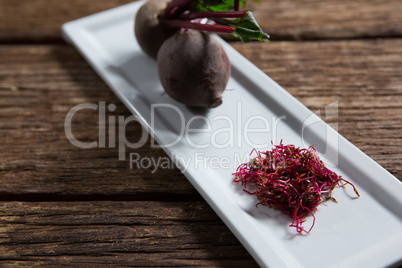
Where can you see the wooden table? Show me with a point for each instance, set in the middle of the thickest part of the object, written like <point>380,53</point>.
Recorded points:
<point>62,205</point>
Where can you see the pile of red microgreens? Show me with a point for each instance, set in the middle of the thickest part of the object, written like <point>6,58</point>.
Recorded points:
<point>291,179</point>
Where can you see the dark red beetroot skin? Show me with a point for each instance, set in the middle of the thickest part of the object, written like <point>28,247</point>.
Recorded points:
<point>194,68</point>
<point>150,27</point>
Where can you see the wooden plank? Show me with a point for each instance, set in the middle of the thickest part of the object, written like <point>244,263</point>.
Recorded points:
<point>329,19</point>
<point>40,84</point>
<point>116,233</point>
<point>40,20</point>
<point>29,21</point>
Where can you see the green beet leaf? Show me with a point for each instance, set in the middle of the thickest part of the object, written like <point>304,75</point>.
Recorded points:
<point>247,29</point>
<point>214,5</point>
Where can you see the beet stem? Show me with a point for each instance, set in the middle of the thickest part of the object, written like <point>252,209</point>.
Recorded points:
<point>175,7</point>
<point>201,26</point>
<point>209,14</point>
<point>236,5</point>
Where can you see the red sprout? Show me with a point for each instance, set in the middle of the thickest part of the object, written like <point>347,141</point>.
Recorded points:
<point>291,179</point>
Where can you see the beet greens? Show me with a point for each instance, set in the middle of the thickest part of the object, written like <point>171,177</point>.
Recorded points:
<point>182,13</point>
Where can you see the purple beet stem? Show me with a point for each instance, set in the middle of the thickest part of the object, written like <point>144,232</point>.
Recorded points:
<point>201,27</point>
<point>236,5</point>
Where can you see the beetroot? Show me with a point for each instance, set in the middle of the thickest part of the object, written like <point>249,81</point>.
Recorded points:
<point>151,29</point>
<point>193,68</point>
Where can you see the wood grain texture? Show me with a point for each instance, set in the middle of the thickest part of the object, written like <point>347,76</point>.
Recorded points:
<point>40,84</point>
<point>329,19</point>
<point>78,234</point>
<point>40,20</point>
<point>30,21</point>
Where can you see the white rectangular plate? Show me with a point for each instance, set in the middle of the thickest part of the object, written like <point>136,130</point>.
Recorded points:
<point>363,232</point>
